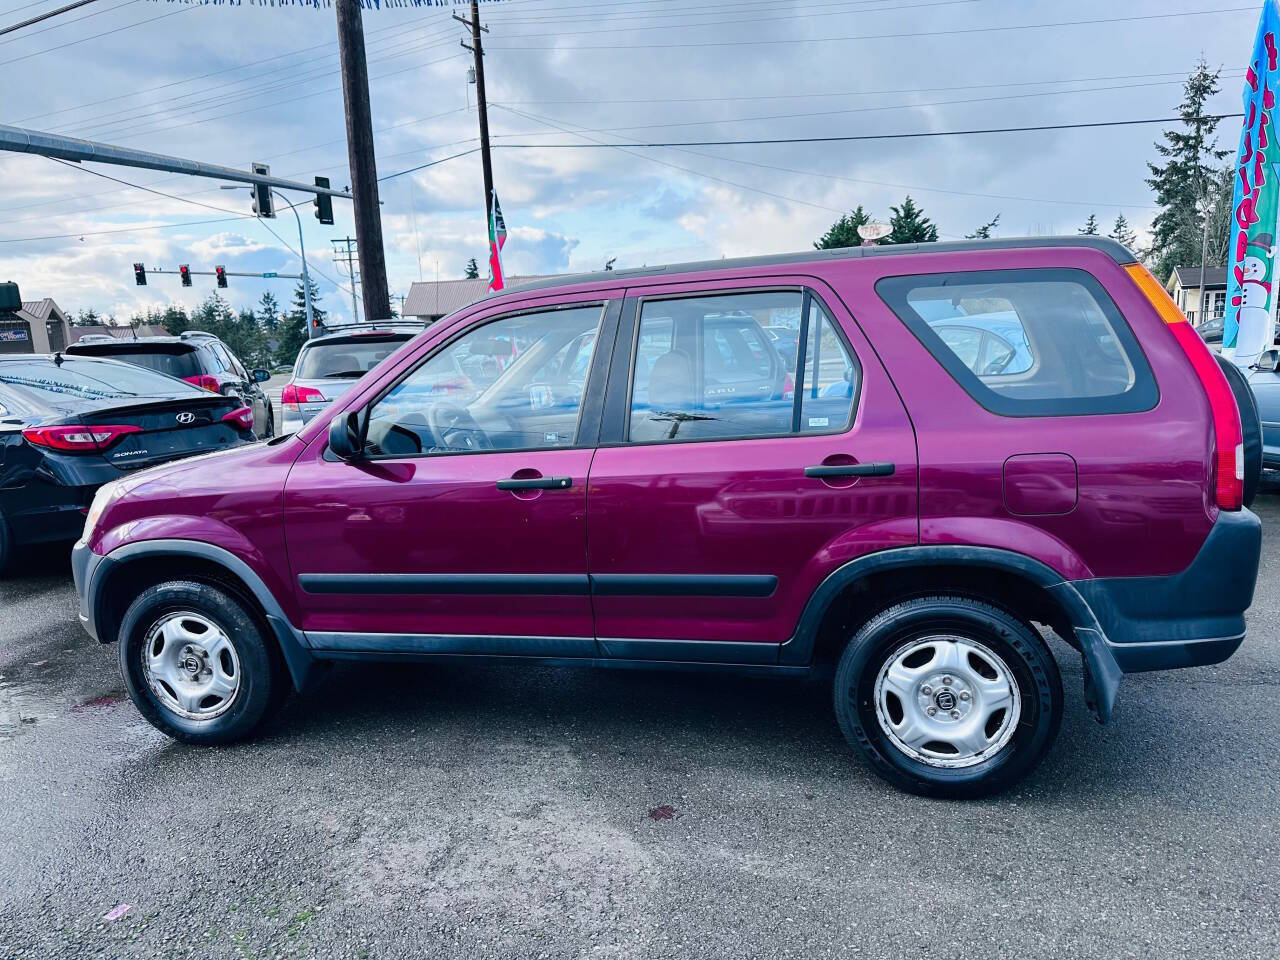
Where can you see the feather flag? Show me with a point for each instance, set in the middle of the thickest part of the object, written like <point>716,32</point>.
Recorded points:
<point>497,239</point>
<point>1250,320</point>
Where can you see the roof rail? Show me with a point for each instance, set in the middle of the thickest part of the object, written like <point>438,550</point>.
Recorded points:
<point>373,325</point>
<point>192,334</point>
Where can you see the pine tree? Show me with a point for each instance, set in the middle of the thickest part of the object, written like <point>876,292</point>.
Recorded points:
<point>1122,233</point>
<point>844,232</point>
<point>473,270</point>
<point>984,231</point>
<point>293,331</point>
<point>1191,159</point>
<point>1090,228</point>
<point>269,312</point>
<point>909,225</point>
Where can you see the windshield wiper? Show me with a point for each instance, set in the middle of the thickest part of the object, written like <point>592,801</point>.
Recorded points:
<point>344,375</point>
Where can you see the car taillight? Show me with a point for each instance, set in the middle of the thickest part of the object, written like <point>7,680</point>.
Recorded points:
<point>241,417</point>
<point>1228,434</point>
<point>77,439</point>
<point>205,382</point>
<point>295,394</point>
<point>788,387</point>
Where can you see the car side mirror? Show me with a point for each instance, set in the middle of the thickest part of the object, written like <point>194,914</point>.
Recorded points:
<point>261,376</point>
<point>1269,360</point>
<point>344,437</point>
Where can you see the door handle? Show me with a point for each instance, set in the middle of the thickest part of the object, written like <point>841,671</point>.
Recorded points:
<point>536,483</point>
<point>875,469</point>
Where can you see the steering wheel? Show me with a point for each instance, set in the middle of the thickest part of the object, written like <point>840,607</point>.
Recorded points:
<point>454,428</point>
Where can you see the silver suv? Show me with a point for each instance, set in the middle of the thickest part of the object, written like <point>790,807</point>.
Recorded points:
<point>329,366</point>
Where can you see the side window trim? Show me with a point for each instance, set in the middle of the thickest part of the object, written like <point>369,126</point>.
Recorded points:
<point>615,427</point>
<point>604,304</point>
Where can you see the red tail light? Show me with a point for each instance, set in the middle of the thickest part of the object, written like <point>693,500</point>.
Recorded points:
<point>295,394</point>
<point>205,382</point>
<point>1228,435</point>
<point>788,387</point>
<point>73,438</point>
<point>242,418</point>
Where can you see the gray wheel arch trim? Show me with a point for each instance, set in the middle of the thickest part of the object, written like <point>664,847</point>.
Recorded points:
<point>1102,673</point>
<point>294,644</point>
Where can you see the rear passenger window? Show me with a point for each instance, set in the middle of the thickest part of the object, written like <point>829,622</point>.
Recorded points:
<point>719,367</point>
<point>1027,342</point>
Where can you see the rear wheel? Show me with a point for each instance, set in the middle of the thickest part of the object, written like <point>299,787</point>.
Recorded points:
<point>948,696</point>
<point>6,546</point>
<point>196,663</point>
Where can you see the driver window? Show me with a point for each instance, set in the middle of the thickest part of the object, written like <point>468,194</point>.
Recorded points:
<point>510,384</point>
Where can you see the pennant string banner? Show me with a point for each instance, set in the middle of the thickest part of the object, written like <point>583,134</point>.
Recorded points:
<point>328,4</point>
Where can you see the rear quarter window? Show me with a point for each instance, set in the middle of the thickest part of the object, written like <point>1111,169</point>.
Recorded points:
<point>1027,343</point>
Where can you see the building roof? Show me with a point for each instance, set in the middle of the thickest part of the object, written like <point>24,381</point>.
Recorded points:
<point>41,311</point>
<point>439,299</point>
<point>1190,276</point>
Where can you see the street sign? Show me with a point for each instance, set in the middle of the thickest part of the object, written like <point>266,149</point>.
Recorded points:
<point>269,276</point>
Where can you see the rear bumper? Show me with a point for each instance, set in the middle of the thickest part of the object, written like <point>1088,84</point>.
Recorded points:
<point>1191,619</point>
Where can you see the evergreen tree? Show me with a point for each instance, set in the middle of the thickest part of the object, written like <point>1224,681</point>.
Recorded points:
<point>269,313</point>
<point>1191,158</point>
<point>473,270</point>
<point>984,231</point>
<point>1221,198</point>
<point>1122,233</point>
<point>175,319</point>
<point>1090,228</point>
<point>908,224</point>
<point>293,331</point>
<point>844,232</point>
<point>85,318</point>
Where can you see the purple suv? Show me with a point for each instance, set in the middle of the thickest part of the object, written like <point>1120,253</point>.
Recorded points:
<point>621,470</point>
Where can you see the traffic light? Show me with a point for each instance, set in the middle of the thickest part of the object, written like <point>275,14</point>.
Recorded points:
<point>324,203</point>
<point>261,193</point>
<point>185,271</point>
<point>221,273</point>
<point>140,274</point>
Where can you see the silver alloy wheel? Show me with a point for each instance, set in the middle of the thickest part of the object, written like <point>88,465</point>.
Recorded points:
<point>190,665</point>
<point>947,701</point>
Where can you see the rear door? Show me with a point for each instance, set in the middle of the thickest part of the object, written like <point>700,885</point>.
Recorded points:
<point>727,487</point>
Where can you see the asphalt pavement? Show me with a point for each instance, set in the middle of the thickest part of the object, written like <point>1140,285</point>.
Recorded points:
<point>487,811</point>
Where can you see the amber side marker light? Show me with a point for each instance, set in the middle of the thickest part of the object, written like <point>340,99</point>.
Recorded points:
<point>1228,435</point>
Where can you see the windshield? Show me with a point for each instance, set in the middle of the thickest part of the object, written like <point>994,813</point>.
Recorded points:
<point>180,364</point>
<point>346,359</point>
<point>87,379</point>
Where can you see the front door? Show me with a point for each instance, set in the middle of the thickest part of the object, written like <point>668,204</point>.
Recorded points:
<point>463,528</point>
<point>752,444</point>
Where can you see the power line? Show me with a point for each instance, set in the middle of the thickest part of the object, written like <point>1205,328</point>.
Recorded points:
<point>65,8</point>
<point>869,136</point>
<point>104,33</point>
<point>914,34</point>
<point>875,109</point>
<point>880,183</point>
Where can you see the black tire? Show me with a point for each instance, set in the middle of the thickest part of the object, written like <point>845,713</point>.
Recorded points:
<point>1015,642</point>
<point>258,669</point>
<point>1250,424</point>
<point>271,423</point>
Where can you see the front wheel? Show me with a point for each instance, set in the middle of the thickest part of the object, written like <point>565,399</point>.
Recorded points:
<point>196,663</point>
<point>948,696</point>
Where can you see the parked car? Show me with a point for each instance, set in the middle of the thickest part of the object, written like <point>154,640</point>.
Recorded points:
<point>1264,381</point>
<point>328,366</point>
<point>70,424</point>
<point>896,522</point>
<point>199,358</point>
<point>1211,332</point>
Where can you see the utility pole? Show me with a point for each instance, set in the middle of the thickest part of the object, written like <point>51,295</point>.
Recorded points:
<point>364,170</point>
<point>1210,208</point>
<point>482,105</point>
<point>350,257</point>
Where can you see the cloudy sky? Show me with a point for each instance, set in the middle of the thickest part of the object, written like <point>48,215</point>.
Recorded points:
<point>233,84</point>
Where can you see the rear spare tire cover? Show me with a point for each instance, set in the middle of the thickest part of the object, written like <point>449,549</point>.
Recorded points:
<point>1251,425</point>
